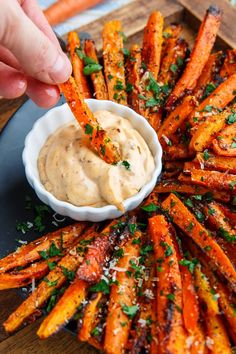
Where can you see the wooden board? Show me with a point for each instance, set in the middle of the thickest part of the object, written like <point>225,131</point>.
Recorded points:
<point>133,17</point>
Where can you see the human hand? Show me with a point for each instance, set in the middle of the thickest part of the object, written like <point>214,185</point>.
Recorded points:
<point>31,59</point>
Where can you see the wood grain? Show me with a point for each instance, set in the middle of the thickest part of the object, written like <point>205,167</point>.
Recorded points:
<point>133,17</point>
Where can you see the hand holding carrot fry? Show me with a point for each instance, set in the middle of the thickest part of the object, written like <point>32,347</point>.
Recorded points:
<point>27,68</point>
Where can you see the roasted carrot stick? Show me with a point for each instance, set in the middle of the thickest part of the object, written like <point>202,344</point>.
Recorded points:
<point>225,142</point>
<point>230,214</point>
<point>169,33</point>
<point>168,186</point>
<point>175,119</point>
<point>213,162</point>
<point>88,318</point>
<point>214,179</point>
<point>97,136</point>
<point>204,135</point>
<point>133,78</point>
<point>199,56</point>
<point>64,309</point>
<point>99,85</point>
<point>171,334</point>
<point>20,278</point>
<point>113,58</point>
<point>173,57</point>
<point>176,152</point>
<point>219,341</point>
<point>229,65</point>
<point>122,304</point>
<point>190,226</point>
<point>54,280</point>
<point>152,43</point>
<point>206,81</point>
<point>28,253</point>
<point>217,219</point>
<point>61,10</point>
<point>78,65</point>
<point>217,100</point>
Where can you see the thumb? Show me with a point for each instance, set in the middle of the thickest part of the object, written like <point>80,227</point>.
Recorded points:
<point>38,56</point>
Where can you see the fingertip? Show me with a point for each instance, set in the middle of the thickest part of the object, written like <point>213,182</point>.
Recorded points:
<point>61,70</point>
<point>45,96</point>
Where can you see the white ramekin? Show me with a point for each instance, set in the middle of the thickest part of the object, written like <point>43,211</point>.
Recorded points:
<point>58,116</point>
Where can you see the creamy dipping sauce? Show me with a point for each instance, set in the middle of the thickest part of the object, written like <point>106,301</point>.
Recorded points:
<point>74,173</point>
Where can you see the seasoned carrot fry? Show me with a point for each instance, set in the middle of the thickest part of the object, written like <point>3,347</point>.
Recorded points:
<point>168,186</point>
<point>229,65</point>
<point>152,43</point>
<point>169,33</point>
<point>28,253</point>
<point>199,56</point>
<point>215,180</point>
<point>122,297</point>
<point>206,81</point>
<point>54,280</point>
<point>114,62</point>
<point>78,65</point>
<point>99,85</point>
<point>88,318</point>
<point>171,334</point>
<point>172,60</point>
<point>218,220</point>
<point>213,162</point>
<point>64,309</point>
<point>190,226</point>
<point>204,135</point>
<point>230,214</point>
<point>176,152</point>
<point>97,136</point>
<point>175,119</point>
<point>133,78</point>
<point>225,142</point>
<point>98,252</point>
<point>19,278</point>
<point>217,100</point>
<point>219,342</point>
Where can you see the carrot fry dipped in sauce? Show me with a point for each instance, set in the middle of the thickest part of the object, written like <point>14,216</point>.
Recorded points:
<point>97,136</point>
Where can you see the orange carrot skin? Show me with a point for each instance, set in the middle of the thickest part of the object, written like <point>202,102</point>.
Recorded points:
<point>78,65</point>
<point>175,119</point>
<point>134,72</point>
<point>116,336</point>
<point>218,99</point>
<point>113,58</point>
<point>171,334</point>
<point>215,162</point>
<point>168,186</point>
<point>190,226</point>
<point>217,219</point>
<point>199,56</point>
<point>215,180</point>
<point>229,66</point>
<point>31,252</point>
<point>98,138</point>
<point>208,74</point>
<point>224,143</point>
<point>64,309</point>
<point>99,85</point>
<point>61,10</point>
<point>152,43</point>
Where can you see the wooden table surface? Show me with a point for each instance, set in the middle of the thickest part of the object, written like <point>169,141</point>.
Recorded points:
<point>133,17</point>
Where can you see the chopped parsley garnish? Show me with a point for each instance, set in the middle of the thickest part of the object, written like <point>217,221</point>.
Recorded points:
<point>189,264</point>
<point>150,207</point>
<point>51,252</point>
<point>51,265</point>
<point>50,283</point>
<point>126,164</point>
<point>232,184</point>
<point>188,203</point>
<point>91,68</point>
<point>209,89</point>
<point>206,155</point>
<point>180,61</point>
<point>119,85</point>
<point>121,33</point>
<point>190,226</point>
<point>103,149</point>
<point>119,253</point>
<point>207,108</point>
<point>102,286</point>
<point>132,228</point>
<point>69,274</point>
<point>199,215</point>
<point>109,76</point>
<point>126,52</point>
<point>146,249</point>
<point>129,87</point>
<point>130,311</point>
<point>231,118</point>
<point>88,129</point>
<point>226,235</point>
<point>173,68</point>
<point>171,297</point>
<point>166,35</point>
<point>95,332</point>
<point>80,53</point>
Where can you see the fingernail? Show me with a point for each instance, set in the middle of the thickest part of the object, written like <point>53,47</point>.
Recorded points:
<point>61,69</point>
<point>22,84</point>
